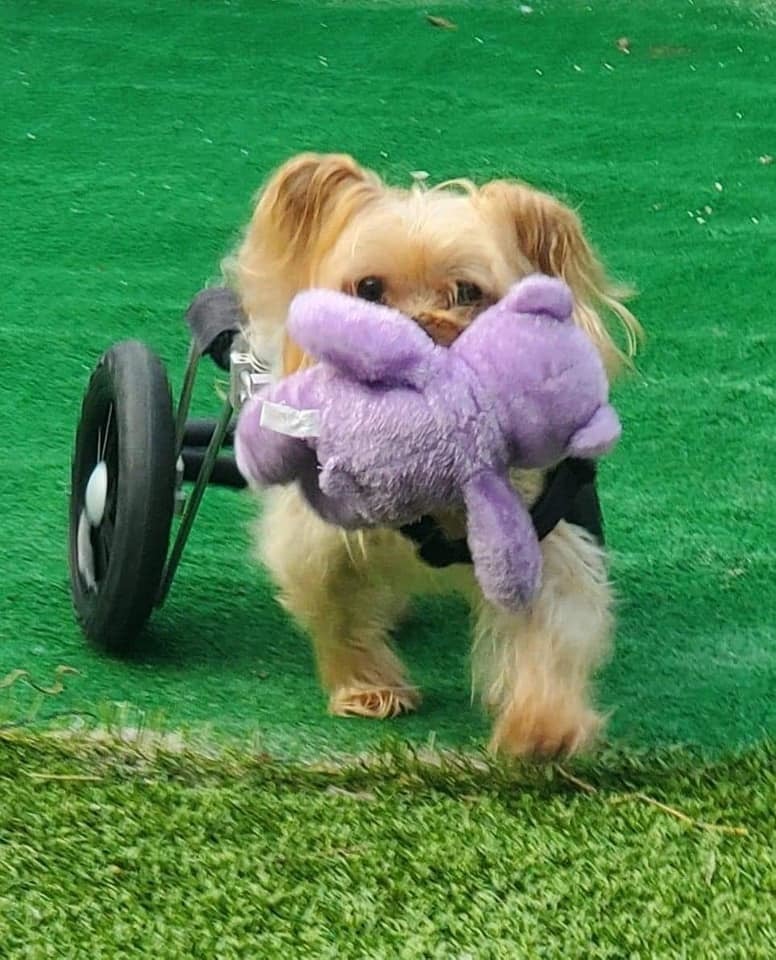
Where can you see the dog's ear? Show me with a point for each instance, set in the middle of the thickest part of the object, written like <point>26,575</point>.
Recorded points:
<point>299,215</point>
<point>304,204</point>
<point>540,233</point>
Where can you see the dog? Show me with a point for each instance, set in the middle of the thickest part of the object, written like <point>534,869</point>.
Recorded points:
<point>439,254</point>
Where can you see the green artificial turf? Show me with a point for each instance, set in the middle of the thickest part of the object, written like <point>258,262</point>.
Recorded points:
<point>112,853</point>
<point>133,136</point>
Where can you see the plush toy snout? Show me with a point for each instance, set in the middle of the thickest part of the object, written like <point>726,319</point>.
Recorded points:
<point>541,295</point>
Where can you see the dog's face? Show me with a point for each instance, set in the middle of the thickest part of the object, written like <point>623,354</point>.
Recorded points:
<point>430,254</point>
<point>439,255</point>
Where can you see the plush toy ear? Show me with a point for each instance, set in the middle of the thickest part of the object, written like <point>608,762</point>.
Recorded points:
<point>598,436</point>
<point>542,295</point>
<point>366,341</point>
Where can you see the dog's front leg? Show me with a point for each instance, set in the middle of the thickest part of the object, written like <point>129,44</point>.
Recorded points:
<point>533,669</point>
<point>340,589</point>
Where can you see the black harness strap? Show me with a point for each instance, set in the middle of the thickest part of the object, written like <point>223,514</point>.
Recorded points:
<point>569,494</point>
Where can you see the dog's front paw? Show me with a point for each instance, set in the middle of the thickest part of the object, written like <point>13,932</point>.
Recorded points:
<point>379,703</point>
<point>545,730</point>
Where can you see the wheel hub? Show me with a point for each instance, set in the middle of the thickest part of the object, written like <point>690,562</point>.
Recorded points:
<point>89,522</point>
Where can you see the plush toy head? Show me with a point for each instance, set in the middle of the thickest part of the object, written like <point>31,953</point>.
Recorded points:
<point>390,426</point>
<point>542,373</point>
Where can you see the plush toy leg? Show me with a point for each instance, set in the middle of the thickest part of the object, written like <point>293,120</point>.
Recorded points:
<point>337,591</point>
<point>266,457</point>
<point>502,540</point>
<point>533,669</point>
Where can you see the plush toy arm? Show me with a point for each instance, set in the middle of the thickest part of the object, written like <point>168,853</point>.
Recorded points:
<point>598,436</point>
<point>266,457</point>
<point>502,540</point>
<point>365,341</point>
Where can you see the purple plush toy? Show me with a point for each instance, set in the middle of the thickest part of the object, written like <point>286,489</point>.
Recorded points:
<point>389,426</point>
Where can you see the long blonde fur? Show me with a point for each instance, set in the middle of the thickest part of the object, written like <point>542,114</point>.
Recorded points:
<point>322,220</point>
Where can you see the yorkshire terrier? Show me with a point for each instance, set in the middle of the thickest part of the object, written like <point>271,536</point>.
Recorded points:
<point>440,255</point>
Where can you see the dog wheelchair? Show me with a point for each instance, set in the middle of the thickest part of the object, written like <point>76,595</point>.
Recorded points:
<point>134,455</point>
<point>139,462</point>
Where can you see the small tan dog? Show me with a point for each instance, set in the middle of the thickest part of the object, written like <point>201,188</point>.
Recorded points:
<point>439,255</point>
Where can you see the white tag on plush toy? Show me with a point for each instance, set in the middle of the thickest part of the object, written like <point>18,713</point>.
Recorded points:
<point>282,418</point>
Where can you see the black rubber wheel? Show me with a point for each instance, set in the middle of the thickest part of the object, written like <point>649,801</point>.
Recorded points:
<point>117,553</point>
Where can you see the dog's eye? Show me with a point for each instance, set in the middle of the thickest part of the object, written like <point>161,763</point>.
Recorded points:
<point>371,289</point>
<point>467,294</point>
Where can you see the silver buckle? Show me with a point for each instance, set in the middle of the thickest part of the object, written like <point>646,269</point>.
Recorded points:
<point>247,373</point>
